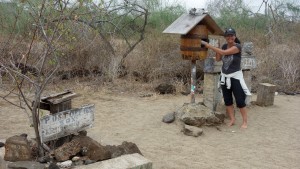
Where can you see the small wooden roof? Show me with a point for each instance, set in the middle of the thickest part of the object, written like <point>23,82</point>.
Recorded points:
<point>187,22</point>
<point>59,97</point>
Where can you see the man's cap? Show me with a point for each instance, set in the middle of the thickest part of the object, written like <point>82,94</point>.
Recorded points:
<point>229,31</point>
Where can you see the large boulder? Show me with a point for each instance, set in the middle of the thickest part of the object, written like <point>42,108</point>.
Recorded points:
<point>17,149</point>
<point>84,145</point>
<point>124,148</point>
<point>196,114</point>
<point>64,152</point>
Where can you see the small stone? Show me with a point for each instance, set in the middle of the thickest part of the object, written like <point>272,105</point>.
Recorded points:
<point>53,166</point>
<point>83,133</point>
<point>79,162</point>
<point>87,162</point>
<point>76,158</point>
<point>169,118</point>
<point>192,131</point>
<point>65,164</point>
<point>44,159</point>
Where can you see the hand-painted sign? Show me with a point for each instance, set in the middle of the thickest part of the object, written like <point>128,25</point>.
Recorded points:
<point>248,62</point>
<point>54,126</point>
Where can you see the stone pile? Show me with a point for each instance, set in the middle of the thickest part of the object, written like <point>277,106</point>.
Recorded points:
<point>75,151</point>
<point>193,116</point>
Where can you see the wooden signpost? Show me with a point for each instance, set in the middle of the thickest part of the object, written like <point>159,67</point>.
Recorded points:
<point>54,126</point>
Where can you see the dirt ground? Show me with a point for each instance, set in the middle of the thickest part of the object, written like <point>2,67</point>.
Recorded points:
<point>271,141</point>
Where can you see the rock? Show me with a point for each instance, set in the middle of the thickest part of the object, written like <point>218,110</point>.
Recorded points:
<point>165,88</point>
<point>44,159</point>
<point>220,116</point>
<point>212,121</point>
<point>247,48</point>
<point>216,118</point>
<point>26,165</point>
<point>83,151</point>
<point>192,120</point>
<point>124,148</point>
<point>1,144</point>
<point>24,135</point>
<point>87,162</point>
<point>65,164</point>
<point>169,118</point>
<point>82,133</point>
<point>64,152</point>
<point>290,93</point>
<point>82,145</point>
<point>115,151</point>
<point>17,149</point>
<point>61,141</point>
<point>95,151</point>
<point>196,114</point>
<point>192,131</point>
<point>130,148</point>
<point>128,161</point>
<point>79,160</point>
<point>76,158</point>
<point>34,148</point>
<point>193,114</point>
<point>53,166</point>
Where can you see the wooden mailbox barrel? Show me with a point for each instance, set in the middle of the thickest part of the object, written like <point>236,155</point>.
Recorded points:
<point>190,47</point>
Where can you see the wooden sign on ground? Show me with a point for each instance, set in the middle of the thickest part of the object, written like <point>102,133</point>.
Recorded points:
<point>54,126</point>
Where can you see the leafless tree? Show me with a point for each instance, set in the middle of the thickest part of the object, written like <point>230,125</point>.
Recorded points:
<point>32,59</point>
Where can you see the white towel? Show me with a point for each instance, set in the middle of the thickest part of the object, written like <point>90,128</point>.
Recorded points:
<point>237,75</point>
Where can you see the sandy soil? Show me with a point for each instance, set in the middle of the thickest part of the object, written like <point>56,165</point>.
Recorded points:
<point>271,140</point>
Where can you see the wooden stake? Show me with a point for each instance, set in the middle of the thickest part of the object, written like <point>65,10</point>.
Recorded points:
<point>193,81</point>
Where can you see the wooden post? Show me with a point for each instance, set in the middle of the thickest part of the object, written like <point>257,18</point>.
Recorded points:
<point>265,94</point>
<point>193,81</point>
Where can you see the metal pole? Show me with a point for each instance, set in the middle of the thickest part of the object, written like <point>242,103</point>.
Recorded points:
<point>193,81</point>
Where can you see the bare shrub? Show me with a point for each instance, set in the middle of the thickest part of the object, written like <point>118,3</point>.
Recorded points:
<point>278,64</point>
<point>158,60</point>
<point>158,57</point>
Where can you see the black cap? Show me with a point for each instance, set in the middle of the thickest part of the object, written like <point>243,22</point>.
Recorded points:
<point>229,31</point>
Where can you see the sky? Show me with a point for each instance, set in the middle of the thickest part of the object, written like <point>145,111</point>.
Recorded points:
<point>253,4</point>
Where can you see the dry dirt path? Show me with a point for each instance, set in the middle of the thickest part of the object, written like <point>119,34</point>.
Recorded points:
<point>271,141</point>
